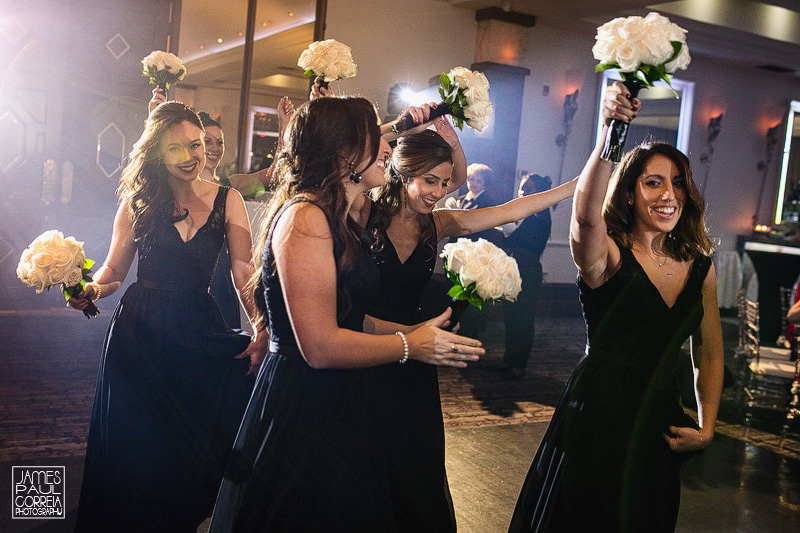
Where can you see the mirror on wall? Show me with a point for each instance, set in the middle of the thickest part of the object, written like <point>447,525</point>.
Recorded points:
<point>663,117</point>
<point>788,203</point>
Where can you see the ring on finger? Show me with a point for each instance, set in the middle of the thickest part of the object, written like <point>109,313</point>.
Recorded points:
<point>455,348</point>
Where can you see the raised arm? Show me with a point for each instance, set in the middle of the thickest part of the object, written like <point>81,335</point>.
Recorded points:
<point>457,222</point>
<point>109,277</point>
<point>448,133</point>
<point>592,249</point>
<point>303,250</point>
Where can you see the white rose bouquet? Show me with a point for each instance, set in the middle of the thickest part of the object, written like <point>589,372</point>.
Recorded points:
<point>51,260</point>
<point>644,50</point>
<point>465,96</point>
<point>480,272</point>
<point>163,69</point>
<point>328,60</point>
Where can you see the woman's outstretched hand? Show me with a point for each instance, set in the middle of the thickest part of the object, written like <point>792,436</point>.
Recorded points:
<point>618,104</point>
<point>686,439</point>
<point>435,346</point>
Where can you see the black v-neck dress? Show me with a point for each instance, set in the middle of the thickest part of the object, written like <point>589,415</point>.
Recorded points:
<point>603,463</point>
<point>407,398</point>
<point>169,394</point>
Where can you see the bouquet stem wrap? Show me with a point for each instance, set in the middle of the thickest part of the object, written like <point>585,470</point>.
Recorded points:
<point>407,123</point>
<point>618,129</point>
<point>458,307</point>
<point>90,310</point>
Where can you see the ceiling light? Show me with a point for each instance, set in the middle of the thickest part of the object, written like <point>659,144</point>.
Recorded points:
<point>263,23</point>
<point>240,34</point>
<point>219,39</point>
<point>202,47</point>
<point>291,14</point>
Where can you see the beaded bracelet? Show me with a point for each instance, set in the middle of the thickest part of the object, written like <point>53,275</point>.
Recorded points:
<point>405,346</point>
<point>98,291</point>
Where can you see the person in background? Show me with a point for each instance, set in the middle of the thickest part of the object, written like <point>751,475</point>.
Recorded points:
<point>526,244</point>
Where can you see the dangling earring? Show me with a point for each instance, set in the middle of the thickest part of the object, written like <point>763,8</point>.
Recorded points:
<point>355,177</point>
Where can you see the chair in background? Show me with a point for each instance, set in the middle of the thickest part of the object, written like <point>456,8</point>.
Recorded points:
<point>766,374</point>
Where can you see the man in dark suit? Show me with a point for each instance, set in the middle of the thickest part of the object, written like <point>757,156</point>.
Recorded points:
<point>526,244</point>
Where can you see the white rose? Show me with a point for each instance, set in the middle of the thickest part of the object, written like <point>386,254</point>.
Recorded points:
<point>75,247</point>
<point>461,76</point>
<point>23,270</point>
<point>610,30</point>
<point>43,259</point>
<point>632,29</point>
<point>479,81</point>
<point>680,62</point>
<point>478,110</point>
<point>476,94</point>
<point>63,258</point>
<point>57,275</point>
<point>73,277</point>
<point>604,50</point>
<point>627,57</point>
<point>38,280</point>
<point>478,124</point>
<point>659,48</point>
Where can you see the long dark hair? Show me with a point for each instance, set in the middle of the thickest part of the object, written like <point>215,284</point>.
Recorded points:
<point>143,185</point>
<point>689,238</point>
<point>322,135</point>
<point>414,155</point>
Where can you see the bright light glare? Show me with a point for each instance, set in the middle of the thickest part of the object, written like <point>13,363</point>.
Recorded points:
<point>412,97</point>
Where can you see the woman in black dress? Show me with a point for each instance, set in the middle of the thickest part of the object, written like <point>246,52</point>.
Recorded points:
<point>610,459</point>
<point>310,454</point>
<point>405,229</point>
<point>171,390</point>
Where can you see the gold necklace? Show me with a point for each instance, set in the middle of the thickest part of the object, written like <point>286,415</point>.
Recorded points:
<point>656,261</point>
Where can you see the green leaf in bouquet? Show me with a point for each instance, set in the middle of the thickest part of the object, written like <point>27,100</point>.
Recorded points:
<point>475,300</point>
<point>87,264</point>
<point>462,100</point>
<point>309,72</point>
<point>456,291</point>
<point>605,66</point>
<point>676,50</point>
<point>444,82</point>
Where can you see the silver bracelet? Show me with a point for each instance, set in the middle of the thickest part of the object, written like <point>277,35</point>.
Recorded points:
<point>405,346</point>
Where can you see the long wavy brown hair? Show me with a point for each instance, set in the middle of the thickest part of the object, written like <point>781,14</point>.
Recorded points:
<point>143,185</point>
<point>323,137</point>
<point>689,238</point>
<point>414,156</point>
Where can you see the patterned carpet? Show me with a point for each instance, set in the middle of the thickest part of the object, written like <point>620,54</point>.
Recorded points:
<point>50,364</point>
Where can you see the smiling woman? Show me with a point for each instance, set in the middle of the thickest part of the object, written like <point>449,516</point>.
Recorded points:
<point>172,386</point>
<point>611,456</point>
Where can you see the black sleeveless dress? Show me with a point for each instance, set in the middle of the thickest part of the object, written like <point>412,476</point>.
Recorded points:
<point>409,402</point>
<point>603,463</point>
<point>309,455</point>
<point>169,394</point>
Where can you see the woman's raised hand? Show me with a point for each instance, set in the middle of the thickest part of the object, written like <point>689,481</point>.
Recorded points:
<point>285,113</point>
<point>317,91</point>
<point>433,345</point>
<point>618,104</point>
<point>446,130</point>
<point>159,97</point>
